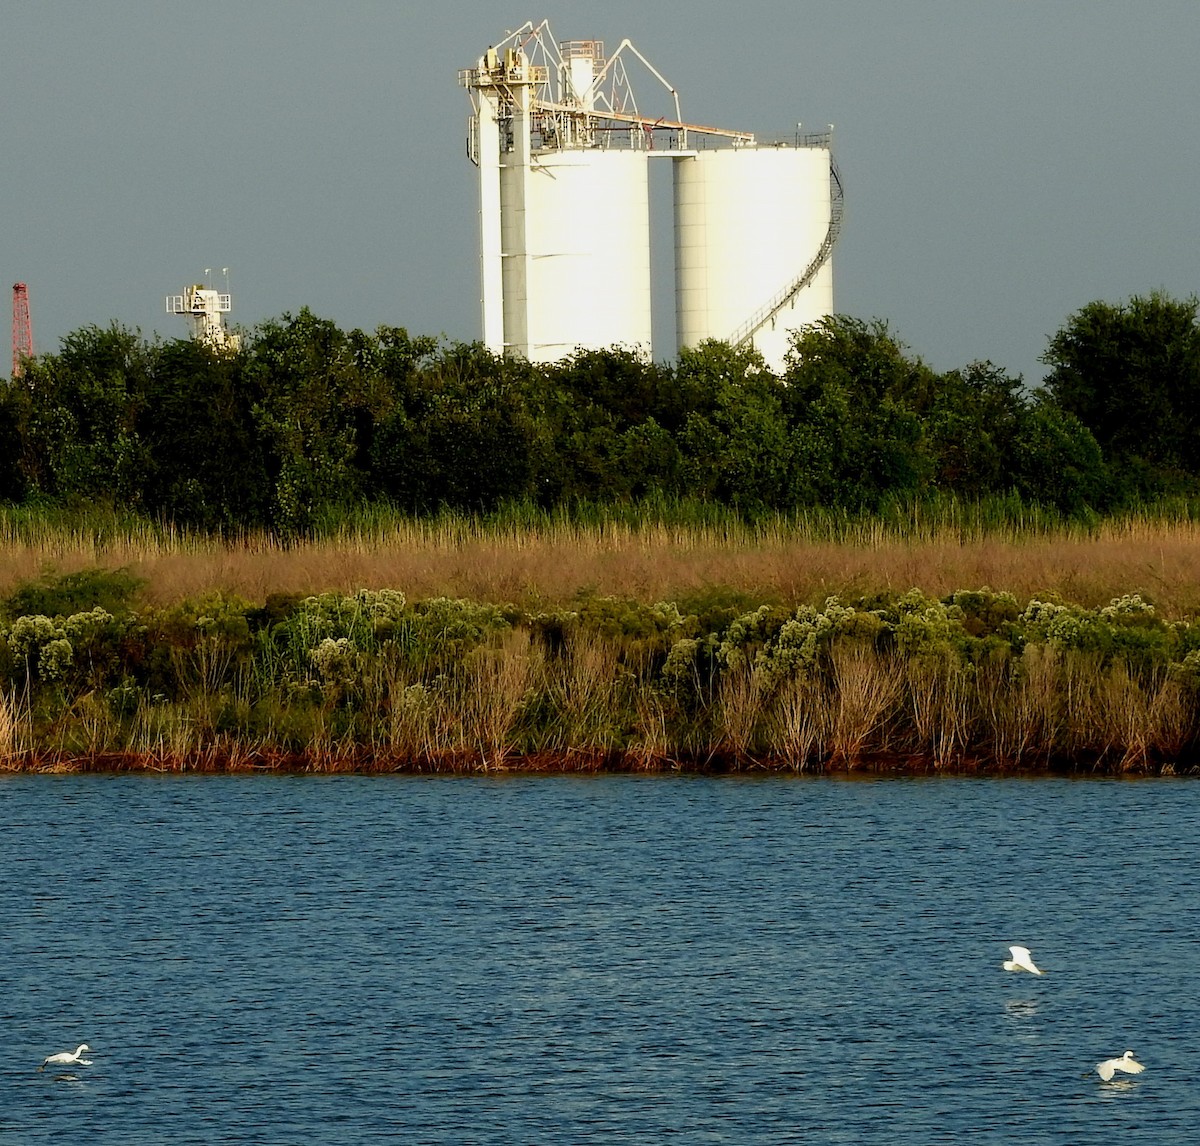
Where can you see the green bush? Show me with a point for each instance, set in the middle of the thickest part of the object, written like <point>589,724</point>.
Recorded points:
<point>57,595</point>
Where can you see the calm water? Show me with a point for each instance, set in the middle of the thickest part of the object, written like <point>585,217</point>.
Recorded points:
<point>559,960</point>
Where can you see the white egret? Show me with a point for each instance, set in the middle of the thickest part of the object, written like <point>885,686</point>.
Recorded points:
<point>65,1058</point>
<point>1126,1062</point>
<point>1021,961</point>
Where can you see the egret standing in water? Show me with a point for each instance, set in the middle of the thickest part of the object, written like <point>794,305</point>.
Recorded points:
<point>1126,1063</point>
<point>1021,961</point>
<point>66,1058</point>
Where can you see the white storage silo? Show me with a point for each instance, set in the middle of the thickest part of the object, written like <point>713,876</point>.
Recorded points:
<point>563,153</point>
<point>583,279</point>
<point>564,204</point>
<point>751,224</point>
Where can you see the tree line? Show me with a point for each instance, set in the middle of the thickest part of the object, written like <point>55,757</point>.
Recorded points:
<point>306,416</point>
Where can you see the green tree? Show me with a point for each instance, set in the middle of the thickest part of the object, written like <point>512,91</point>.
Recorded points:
<point>596,411</point>
<point>459,434</point>
<point>853,398</point>
<point>973,424</point>
<point>206,462</point>
<point>619,387</point>
<point>735,444</point>
<point>651,460</point>
<point>318,395</point>
<point>15,412</point>
<point>1131,374</point>
<point>1056,461</point>
<point>864,358</point>
<point>85,405</point>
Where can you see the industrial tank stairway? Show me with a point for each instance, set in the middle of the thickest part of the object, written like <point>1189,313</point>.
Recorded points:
<point>744,333</point>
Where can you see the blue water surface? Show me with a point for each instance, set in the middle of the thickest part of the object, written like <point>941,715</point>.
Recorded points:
<point>601,959</point>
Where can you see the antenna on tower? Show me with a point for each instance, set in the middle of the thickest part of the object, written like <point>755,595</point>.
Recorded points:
<point>22,330</point>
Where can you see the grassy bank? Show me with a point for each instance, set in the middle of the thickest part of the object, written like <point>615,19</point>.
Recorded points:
<point>374,679</point>
<point>679,552</point>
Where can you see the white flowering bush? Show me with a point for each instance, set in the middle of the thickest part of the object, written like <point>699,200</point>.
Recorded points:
<point>26,635</point>
<point>336,661</point>
<point>82,627</point>
<point>985,600</point>
<point>438,633</point>
<point>1187,671</point>
<point>640,628</point>
<point>335,638</point>
<point>1127,627</point>
<point>800,641</point>
<point>1129,606</point>
<point>928,626</point>
<point>46,646</point>
<point>1062,626</point>
<point>54,659</point>
<point>1040,614</point>
<point>361,618</point>
<point>680,665</point>
<point>744,636</point>
<point>361,622</point>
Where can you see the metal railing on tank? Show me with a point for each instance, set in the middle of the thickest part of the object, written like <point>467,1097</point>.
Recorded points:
<point>765,313</point>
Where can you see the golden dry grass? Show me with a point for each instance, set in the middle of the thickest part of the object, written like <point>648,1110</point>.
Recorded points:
<point>8,728</point>
<point>552,565</point>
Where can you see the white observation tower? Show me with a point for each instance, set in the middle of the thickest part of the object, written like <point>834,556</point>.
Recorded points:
<point>205,310</point>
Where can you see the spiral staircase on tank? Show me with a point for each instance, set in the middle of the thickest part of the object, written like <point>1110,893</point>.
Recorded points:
<point>767,312</point>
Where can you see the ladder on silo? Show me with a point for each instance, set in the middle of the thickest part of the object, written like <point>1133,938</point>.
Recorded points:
<point>765,313</point>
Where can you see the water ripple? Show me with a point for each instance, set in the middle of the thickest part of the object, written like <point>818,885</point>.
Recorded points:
<point>617,959</point>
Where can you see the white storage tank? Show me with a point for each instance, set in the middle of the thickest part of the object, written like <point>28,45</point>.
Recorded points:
<point>563,153</point>
<point>751,223</point>
<point>564,205</point>
<point>584,278</point>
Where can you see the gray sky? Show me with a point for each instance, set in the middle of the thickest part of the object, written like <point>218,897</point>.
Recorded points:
<point>1005,161</point>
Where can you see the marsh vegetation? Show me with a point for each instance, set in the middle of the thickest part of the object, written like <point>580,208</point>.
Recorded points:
<point>333,549</point>
<point>751,663</point>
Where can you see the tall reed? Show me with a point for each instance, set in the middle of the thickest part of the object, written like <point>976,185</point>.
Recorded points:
<point>802,724</point>
<point>865,692</point>
<point>539,558</point>
<point>14,730</point>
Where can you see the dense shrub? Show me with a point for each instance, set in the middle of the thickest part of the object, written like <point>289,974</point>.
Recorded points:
<point>441,682</point>
<point>306,418</point>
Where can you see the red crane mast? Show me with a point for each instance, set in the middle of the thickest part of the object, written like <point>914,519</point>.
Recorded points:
<point>22,342</point>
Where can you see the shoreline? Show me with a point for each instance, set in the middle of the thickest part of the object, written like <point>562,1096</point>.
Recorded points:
<point>874,764</point>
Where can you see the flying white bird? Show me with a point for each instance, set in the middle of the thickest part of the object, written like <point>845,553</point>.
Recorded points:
<point>1126,1062</point>
<point>1021,961</point>
<point>66,1058</point>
